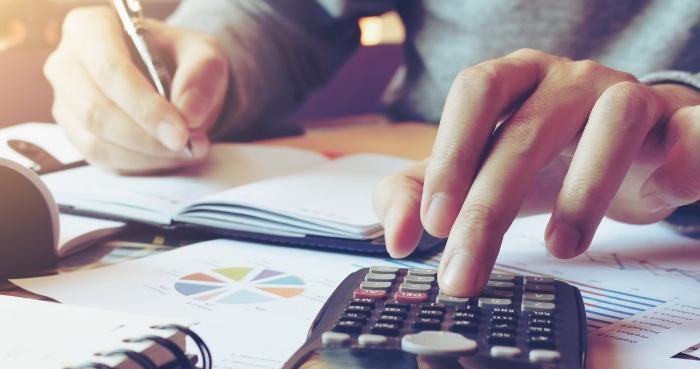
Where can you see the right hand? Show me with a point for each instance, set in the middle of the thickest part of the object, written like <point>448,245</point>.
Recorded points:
<point>112,113</point>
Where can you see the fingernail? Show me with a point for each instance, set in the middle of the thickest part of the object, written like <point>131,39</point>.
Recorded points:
<point>565,237</point>
<point>461,274</point>
<point>654,202</point>
<point>438,212</point>
<point>194,106</point>
<point>171,136</point>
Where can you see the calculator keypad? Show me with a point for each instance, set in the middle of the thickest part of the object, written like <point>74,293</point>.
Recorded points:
<point>513,318</point>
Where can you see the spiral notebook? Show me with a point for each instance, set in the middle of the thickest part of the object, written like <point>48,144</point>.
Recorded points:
<point>47,335</point>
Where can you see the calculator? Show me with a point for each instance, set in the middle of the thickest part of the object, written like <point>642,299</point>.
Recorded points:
<point>389,318</point>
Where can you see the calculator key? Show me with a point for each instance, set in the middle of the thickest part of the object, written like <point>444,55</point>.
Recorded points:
<point>544,356</point>
<point>377,277</point>
<point>348,326</point>
<point>411,297</point>
<point>502,338</point>
<point>358,309</point>
<point>375,285</point>
<point>537,280</point>
<point>366,302</point>
<point>539,288</point>
<point>502,318</point>
<point>372,340</point>
<point>427,324</point>
<point>534,296</point>
<point>398,305</point>
<point>541,322</point>
<point>467,309</point>
<point>361,293</point>
<point>379,269</point>
<point>414,287</point>
<point>451,300</point>
<point>395,311</point>
<point>501,277</point>
<point>436,314</point>
<point>541,341</point>
<point>541,314</point>
<point>432,306</point>
<point>386,329</point>
<point>396,319</point>
<point>534,330</point>
<point>437,343</point>
<point>492,302</point>
<point>500,284</point>
<point>503,311</point>
<point>496,293</point>
<point>465,316</point>
<point>419,279</point>
<point>537,306</point>
<point>358,317</point>
<point>422,272</point>
<point>464,326</point>
<point>335,339</point>
<point>507,352</point>
<point>504,327</point>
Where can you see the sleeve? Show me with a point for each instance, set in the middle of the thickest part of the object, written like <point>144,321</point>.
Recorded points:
<point>672,76</point>
<point>279,51</point>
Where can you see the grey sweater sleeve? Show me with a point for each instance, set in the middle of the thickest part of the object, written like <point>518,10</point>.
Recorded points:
<point>279,51</point>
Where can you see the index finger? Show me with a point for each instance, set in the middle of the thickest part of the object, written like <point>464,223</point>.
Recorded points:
<point>103,52</point>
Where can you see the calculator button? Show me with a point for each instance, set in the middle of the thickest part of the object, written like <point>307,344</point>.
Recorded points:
<point>358,317</point>
<point>541,322</point>
<point>419,279</point>
<point>375,285</point>
<point>489,302</point>
<point>377,277</point>
<point>467,309</point>
<point>379,269</point>
<point>465,316</point>
<point>534,296</point>
<point>500,284</point>
<point>501,277</point>
<point>537,280</point>
<point>537,306</point>
<point>395,311</point>
<point>436,314</point>
<point>348,326</point>
<point>335,339</point>
<point>539,288</point>
<point>432,306</point>
<point>422,272</point>
<point>411,297</point>
<point>496,293</point>
<point>507,352</point>
<point>414,287</point>
<point>398,305</point>
<point>541,341</point>
<point>395,319</point>
<point>502,338</point>
<point>544,356</point>
<point>451,300</point>
<point>427,324</point>
<point>535,330</point>
<point>365,302</point>
<point>503,311</point>
<point>361,293</point>
<point>358,309</point>
<point>386,329</point>
<point>504,327</point>
<point>437,343</point>
<point>464,326</point>
<point>501,318</point>
<point>372,340</point>
<point>541,314</point>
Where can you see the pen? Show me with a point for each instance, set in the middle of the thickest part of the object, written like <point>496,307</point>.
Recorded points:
<point>130,13</point>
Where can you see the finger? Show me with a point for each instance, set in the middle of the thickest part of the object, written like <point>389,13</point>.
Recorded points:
<point>200,81</point>
<point>397,203</point>
<point>619,122</point>
<point>476,100</point>
<point>677,181</point>
<point>102,51</point>
<point>97,113</point>
<point>521,147</point>
<point>109,155</point>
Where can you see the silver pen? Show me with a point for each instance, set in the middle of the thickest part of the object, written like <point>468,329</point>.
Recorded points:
<point>130,13</point>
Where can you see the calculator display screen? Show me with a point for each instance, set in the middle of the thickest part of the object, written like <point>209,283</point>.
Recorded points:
<point>396,359</point>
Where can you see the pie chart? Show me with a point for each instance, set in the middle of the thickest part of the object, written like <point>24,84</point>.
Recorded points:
<point>240,285</point>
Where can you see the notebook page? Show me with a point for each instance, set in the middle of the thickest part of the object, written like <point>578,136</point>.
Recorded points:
<point>154,199</point>
<point>336,194</point>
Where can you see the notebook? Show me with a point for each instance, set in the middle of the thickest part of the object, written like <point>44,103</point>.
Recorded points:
<point>279,195</point>
<point>47,335</point>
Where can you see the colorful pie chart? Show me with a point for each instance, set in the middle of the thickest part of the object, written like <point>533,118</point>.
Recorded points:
<point>240,285</point>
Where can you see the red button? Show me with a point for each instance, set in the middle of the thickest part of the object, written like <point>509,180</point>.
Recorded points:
<point>369,294</point>
<point>411,297</point>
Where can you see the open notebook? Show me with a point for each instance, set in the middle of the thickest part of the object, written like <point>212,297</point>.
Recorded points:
<point>47,335</point>
<point>273,194</point>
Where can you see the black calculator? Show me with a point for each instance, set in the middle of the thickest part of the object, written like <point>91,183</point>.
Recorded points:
<point>389,318</point>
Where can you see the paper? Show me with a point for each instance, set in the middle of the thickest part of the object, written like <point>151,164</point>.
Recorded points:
<point>49,137</point>
<point>76,233</point>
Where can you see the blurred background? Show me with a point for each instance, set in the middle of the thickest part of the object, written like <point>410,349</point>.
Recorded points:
<point>30,29</point>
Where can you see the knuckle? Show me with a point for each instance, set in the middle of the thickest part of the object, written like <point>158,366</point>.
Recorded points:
<point>586,68</point>
<point>482,78</point>
<point>477,215</point>
<point>152,109</point>
<point>583,193</point>
<point>92,117</point>
<point>528,53</point>
<point>629,97</point>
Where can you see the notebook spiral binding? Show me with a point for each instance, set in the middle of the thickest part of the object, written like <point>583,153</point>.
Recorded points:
<point>146,363</point>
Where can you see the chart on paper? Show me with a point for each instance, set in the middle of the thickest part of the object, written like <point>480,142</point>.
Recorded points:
<point>240,285</point>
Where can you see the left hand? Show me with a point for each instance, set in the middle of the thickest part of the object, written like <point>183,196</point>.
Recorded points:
<point>584,141</point>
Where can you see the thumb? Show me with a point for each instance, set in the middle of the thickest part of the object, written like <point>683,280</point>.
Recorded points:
<point>677,181</point>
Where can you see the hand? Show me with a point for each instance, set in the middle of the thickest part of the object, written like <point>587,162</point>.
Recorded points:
<point>583,141</point>
<point>109,109</point>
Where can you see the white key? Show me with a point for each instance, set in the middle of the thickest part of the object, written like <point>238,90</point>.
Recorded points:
<point>486,302</point>
<point>414,287</point>
<point>437,343</point>
<point>544,356</point>
<point>378,277</point>
<point>419,279</point>
<point>424,272</point>
<point>505,351</point>
<point>335,339</point>
<point>451,300</point>
<point>501,277</point>
<point>537,306</point>
<point>500,284</point>
<point>542,297</point>
<point>383,269</point>
<point>375,285</point>
<point>371,340</point>
<point>538,280</point>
